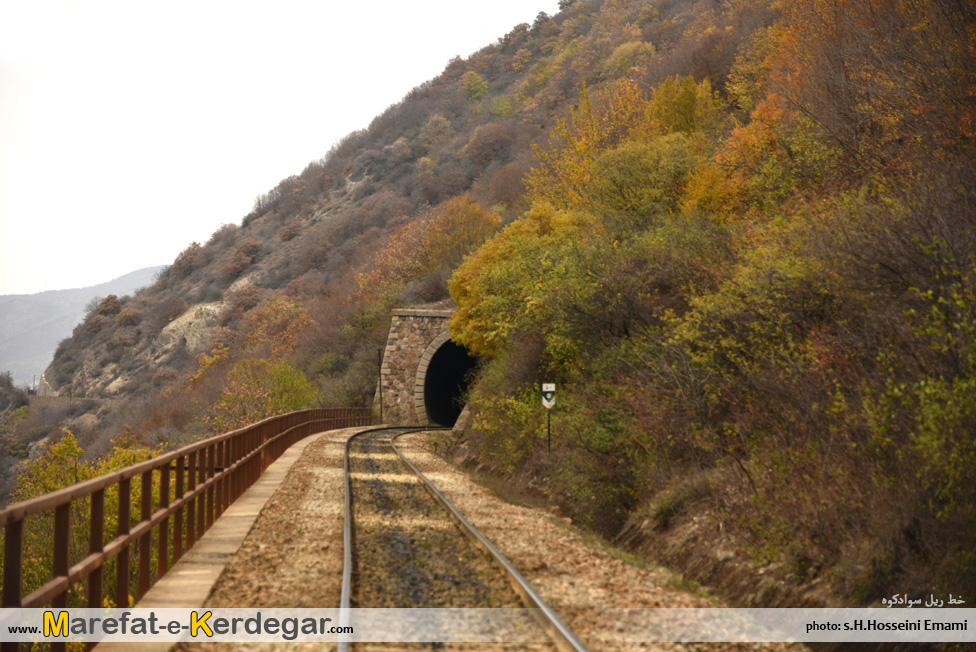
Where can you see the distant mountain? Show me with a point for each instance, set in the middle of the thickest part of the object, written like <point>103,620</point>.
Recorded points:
<point>31,325</point>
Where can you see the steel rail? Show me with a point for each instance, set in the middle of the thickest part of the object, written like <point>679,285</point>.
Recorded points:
<point>343,645</point>
<point>552,624</point>
<point>557,630</point>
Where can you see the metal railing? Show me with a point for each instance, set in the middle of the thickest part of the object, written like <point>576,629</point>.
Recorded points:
<point>196,484</point>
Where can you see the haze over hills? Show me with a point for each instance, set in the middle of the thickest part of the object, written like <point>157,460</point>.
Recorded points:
<point>31,325</point>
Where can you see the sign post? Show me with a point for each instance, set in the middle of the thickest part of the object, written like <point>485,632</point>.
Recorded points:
<point>379,356</point>
<point>548,401</point>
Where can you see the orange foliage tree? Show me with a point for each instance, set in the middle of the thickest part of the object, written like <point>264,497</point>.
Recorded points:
<point>437,241</point>
<point>880,78</point>
<point>274,327</point>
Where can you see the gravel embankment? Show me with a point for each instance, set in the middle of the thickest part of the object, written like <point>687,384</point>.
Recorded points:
<point>293,555</point>
<point>408,552</point>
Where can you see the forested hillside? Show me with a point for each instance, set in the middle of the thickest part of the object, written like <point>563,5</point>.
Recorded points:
<point>739,235</point>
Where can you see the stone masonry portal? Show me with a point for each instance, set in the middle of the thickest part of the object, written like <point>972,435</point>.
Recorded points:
<point>424,374</point>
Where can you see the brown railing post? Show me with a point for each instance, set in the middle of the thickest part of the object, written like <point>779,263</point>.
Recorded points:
<point>62,548</point>
<point>13,549</point>
<point>253,439</point>
<point>239,483</point>
<point>212,489</point>
<point>122,563</point>
<point>249,465</point>
<point>178,515</point>
<point>162,539</point>
<point>96,544</point>
<point>241,442</point>
<point>202,496</point>
<point>13,546</point>
<point>145,541</point>
<point>235,475</point>
<point>229,479</point>
<point>191,483</point>
<point>222,485</point>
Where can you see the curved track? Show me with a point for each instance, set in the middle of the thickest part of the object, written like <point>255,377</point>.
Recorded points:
<point>401,548</point>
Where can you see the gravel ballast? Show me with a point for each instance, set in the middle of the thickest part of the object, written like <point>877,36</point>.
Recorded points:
<point>292,557</point>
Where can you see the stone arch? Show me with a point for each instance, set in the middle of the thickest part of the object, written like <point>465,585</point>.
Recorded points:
<point>442,379</point>
<point>423,373</point>
<point>421,381</point>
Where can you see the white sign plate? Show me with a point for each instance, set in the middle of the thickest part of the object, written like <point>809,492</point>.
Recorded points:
<point>548,395</point>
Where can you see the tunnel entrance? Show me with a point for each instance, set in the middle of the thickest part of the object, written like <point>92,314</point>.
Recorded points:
<point>445,383</point>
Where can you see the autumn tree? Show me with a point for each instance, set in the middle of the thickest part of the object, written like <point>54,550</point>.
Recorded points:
<point>628,56</point>
<point>128,317</point>
<point>273,327</point>
<point>396,262</point>
<point>681,104</point>
<point>501,290</point>
<point>189,259</point>
<point>244,257</point>
<point>474,85</point>
<point>437,241</point>
<point>110,306</point>
<point>505,186</point>
<point>62,464</point>
<point>643,179</point>
<point>436,129</point>
<point>487,143</point>
<point>460,226</point>
<point>521,58</point>
<point>256,389</point>
<point>881,77</point>
<point>564,171</point>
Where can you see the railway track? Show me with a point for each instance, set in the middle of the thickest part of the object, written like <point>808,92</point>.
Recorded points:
<point>406,546</point>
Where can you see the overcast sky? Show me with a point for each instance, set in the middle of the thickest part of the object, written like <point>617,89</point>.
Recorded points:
<point>129,129</point>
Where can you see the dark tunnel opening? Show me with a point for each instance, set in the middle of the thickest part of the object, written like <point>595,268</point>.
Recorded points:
<point>447,379</point>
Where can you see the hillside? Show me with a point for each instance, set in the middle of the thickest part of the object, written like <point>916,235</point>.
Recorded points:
<point>738,236</point>
<point>455,150</point>
<point>31,325</point>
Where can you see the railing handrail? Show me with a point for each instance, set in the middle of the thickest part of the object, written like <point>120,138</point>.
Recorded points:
<point>84,489</point>
<point>216,471</point>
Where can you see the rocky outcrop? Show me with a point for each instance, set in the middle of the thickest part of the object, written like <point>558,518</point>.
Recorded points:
<point>194,329</point>
<point>97,377</point>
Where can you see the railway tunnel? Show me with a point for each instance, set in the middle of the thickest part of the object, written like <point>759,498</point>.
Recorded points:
<point>424,375</point>
<point>445,383</point>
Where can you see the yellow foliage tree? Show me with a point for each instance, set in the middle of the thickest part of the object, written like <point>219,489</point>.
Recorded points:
<point>257,389</point>
<point>460,225</point>
<point>564,171</point>
<point>61,465</point>
<point>682,105</point>
<point>504,286</point>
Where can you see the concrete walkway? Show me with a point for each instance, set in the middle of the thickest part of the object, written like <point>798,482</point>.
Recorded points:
<point>189,582</point>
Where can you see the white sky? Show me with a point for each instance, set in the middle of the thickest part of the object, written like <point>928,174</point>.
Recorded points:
<point>130,128</point>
